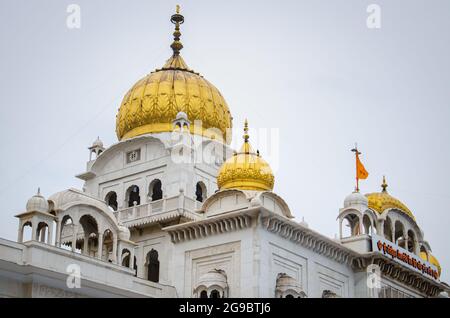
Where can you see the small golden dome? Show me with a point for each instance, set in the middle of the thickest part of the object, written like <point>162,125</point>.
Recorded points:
<point>246,170</point>
<point>432,260</point>
<point>380,201</point>
<point>152,104</point>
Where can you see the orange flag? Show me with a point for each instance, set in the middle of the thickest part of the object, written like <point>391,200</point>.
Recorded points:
<point>361,172</point>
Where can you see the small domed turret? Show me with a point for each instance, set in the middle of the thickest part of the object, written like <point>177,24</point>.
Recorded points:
<point>355,198</point>
<point>97,143</point>
<point>246,170</point>
<point>37,203</point>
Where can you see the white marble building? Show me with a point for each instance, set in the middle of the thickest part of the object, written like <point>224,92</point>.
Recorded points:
<point>171,211</point>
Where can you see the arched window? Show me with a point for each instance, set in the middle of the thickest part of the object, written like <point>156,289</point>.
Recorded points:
<point>387,229</point>
<point>411,245</point>
<point>350,225</point>
<point>367,223</point>
<point>200,191</point>
<point>289,296</point>
<point>111,200</point>
<point>214,294</point>
<point>66,232</point>
<point>108,241</point>
<point>399,234</point>
<point>155,191</point>
<point>153,266</point>
<point>90,238</point>
<point>204,294</point>
<point>27,232</point>
<point>135,267</point>
<point>42,232</point>
<point>133,196</point>
<point>126,258</point>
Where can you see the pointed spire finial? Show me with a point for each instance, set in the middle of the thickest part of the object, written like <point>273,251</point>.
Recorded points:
<point>246,136</point>
<point>177,19</point>
<point>384,184</point>
<point>39,191</point>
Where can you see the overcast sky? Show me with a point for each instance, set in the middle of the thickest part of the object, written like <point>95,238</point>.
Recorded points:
<point>312,69</point>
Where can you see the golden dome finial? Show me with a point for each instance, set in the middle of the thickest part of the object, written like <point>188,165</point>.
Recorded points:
<point>177,19</point>
<point>246,136</point>
<point>384,184</point>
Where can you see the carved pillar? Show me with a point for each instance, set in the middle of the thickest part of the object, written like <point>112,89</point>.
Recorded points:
<point>380,229</point>
<point>392,233</point>
<point>74,237</point>
<point>141,262</point>
<point>132,258</point>
<point>33,229</point>
<point>20,232</point>
<point>50,234</point>
<point>100,247</point>
<point>114,251</point>
<point>86,244</point>
<point>58,232</point>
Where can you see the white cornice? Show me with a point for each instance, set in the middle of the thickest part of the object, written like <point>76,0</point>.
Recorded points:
<point>229,222</point>
<point>307,238</point>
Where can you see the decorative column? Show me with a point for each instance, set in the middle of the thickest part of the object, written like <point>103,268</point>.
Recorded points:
<point>380,228</point>
<point>86,244</point>
<point>58,233</point>
<point>132,258</point>
<point>392,233</point>
<point>50,234</point>
<point>360,225</point>
<point>74,237</point>
<point>33,229</point>
<point>405,241</point>
<point>340,228</point>
<point>141,261</point>
<point>20,232</point>
<point>114,251</point>
<point>100,246</point>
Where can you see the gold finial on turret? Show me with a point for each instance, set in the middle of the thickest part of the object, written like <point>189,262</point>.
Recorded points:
<point>384,184</point>
<point>177,19</point>
<point>246,136</point>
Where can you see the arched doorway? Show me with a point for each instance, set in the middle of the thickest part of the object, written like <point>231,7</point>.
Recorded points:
<point>111,200</point>
<point>153,266</point>
<point>155,190</point>
<point>200,191</point>
<point>133,196</point>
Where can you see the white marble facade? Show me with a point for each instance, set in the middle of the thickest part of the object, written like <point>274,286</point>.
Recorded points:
<point>232,244</point>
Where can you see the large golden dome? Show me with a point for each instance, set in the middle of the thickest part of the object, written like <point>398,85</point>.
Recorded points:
<point>152,104</point>
<point>380,201</point>
<point>246,170</point>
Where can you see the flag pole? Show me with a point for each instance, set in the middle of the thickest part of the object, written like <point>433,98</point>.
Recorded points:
<point>355,150</point>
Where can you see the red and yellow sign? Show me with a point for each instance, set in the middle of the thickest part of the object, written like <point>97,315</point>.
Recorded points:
<point>400,255</point>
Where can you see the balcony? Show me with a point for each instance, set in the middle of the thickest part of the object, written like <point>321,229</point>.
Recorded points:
<point>178,203</point>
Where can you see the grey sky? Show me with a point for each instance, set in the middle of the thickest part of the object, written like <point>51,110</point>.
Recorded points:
<point>310,68</point>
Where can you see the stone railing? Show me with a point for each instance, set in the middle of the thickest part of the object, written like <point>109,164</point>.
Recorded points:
<point>155,207</point>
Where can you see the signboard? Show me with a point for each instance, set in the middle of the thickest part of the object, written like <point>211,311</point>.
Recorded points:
<point>402,256</point>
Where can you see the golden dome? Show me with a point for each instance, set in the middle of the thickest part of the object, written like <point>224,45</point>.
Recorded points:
<point>246,170</point>
<point>432,260</point>
<point>380,201</point>
<point>152,104</point>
